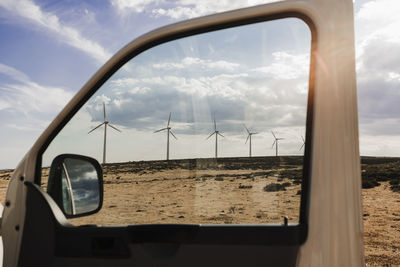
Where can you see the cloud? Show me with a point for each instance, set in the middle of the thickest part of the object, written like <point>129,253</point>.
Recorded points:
<point>384,12</point>
<point>28,11</point>
<point>378,102</point>
<point>193,8</point>
<point>13,73</point>
<point>183,8</point>
<point>378,57</point>
<point>24,96</point>
<point>199,63</point>
<point>136,6</point>
<point>274,95</point>
<point>4,104</point>
<point>287,66</point>
<point>177,12</point>
<point>377,21</point>
<point>100,99</point>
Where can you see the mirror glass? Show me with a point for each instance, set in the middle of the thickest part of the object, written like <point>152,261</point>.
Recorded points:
<point>205,129</point>
<point>79,186</point>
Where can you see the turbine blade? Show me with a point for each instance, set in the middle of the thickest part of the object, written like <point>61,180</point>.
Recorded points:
<point>246,128</point>
<point>273,134</point>
<point>169,119</point>
<point>221,134</point>
<point>210,135</point>
<point>273,144</point>
<point>215,125</point>
<point>114,128</point>
<point>304,142</point>
<point>160,130</point>
<point>254,133</point>
<point>247,139</point>
<point>104,109</point>
<point>95,128</point>
<point>173,135</point>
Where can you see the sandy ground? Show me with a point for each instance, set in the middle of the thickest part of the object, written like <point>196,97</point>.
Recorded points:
<point>381,226</point>
<point>206,197</point>
<point>231,196</point>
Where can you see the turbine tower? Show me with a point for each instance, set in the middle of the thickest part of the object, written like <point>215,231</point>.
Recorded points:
<point>304,142</point>
<point>276,142</point>
<point>106,123</point>
<point>249,137</point>
<point>168,128</point>
<point>216,132</point>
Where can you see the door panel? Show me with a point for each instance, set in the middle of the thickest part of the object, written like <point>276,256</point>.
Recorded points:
<point>329,229</point>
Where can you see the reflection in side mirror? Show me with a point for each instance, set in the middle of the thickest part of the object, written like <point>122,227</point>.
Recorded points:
<point>76,185</point>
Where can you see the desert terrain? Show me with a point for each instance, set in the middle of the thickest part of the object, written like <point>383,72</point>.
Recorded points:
<point>239,190</point>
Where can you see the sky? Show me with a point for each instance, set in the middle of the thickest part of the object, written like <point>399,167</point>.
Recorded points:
<point>49,49</point>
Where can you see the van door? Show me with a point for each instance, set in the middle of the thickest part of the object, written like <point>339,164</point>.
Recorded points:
<point>246,74</point>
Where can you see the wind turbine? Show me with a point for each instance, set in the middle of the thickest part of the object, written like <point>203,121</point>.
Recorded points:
<point>216,138</point>
<point>304,142</point>
<point>106,123</point>
<point>168,128</point>
<point>276,142</point>
<point>249,137</point>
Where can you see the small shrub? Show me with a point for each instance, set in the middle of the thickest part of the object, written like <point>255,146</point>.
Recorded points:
<point>247,176</point>
<point>296,182</point>
<point>241,186</point>
<point>366,184</point>
<point>274,187</point>
<point>395,188</point>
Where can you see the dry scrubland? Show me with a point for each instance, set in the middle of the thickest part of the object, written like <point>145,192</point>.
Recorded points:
<point>240,190</point>
<point>200,191</point>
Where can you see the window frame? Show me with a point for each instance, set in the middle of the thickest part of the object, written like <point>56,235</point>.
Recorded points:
<point>255,234</point>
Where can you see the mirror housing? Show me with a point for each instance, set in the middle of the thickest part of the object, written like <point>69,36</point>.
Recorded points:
<point>76,185</point>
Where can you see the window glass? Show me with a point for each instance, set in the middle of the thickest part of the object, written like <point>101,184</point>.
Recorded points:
<point>81,186</point>
<point>66,193</point>
<point>205,129</point>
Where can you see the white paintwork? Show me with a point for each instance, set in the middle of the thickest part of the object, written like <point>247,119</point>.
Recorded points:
<point>335,220</point>
<point>335,217</point>
<point>1,239</point>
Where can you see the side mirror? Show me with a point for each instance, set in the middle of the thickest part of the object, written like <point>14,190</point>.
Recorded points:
<point>76,185</point>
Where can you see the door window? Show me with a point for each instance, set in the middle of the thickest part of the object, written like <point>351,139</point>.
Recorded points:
<point>207,129</point>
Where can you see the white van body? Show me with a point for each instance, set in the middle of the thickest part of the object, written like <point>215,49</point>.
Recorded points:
<point>31,221</point>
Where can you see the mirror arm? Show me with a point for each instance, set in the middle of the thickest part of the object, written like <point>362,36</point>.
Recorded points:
<point>71,195</point>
